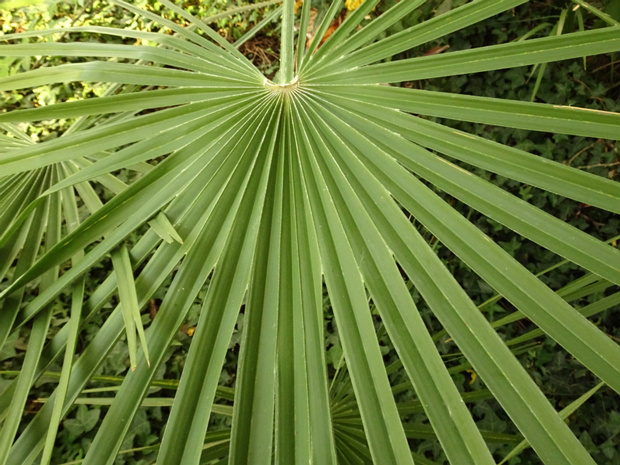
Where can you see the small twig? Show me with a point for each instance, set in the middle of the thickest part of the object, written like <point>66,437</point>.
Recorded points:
<point>599,165</point>
<point>579,153</point>
<point>580,82</point>
<point>607,65</point>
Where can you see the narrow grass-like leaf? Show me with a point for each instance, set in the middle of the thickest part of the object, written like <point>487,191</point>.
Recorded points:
<point>164,229</point>
<point>419,34</point>
<point>171,139</point>
<point>564,413</point>
<point>191,36</point>
<point>595,11</point>
<point>529,52</point>
<point>606,303</point>
<point>18,195</point>
<point>11,248</point>
<point>259,27</point>
<point>156,189</point>
<point>190,413</point>
<point>107,180</point>
<point>11,423</point>
<point>290,435</point>
<point>513,388</point>
<point>29,187</point>
<point>77,296</point>
<point>155,55</point>
<point>507,161</point>
<point>106,136</point>
<point>240,9</point>
<point>205,51</point>
<point>494,202</point>
<point>557,30</point>
<point>368,32</point>
<point>417,431</point>
<point>37,338</point>
<point>415,406</point>
<point>253,421</point>
<point>20,137</point>
<point>129,304</point>
<point>124,73</point>
<point>311,394</point>
<point>218,39</point>
<point>33,233</point>
<point>512,280</point>
<point>456,429</point>
<point>120,103</point>
<point>206,242</point>
<point>338,36</point>
<point>30,443</point>
<point>218,409</point>
<point>500,112</point>
<point>386,438</point>
<point>333,10</point>
<point>302,36</point>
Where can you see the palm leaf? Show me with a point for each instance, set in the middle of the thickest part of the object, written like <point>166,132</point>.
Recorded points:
<point>259,193</point>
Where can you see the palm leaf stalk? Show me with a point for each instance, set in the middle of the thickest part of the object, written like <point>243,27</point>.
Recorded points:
<point>263,193</point>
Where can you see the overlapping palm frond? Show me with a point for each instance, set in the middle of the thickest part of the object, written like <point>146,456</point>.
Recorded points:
<point>265,191</point>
